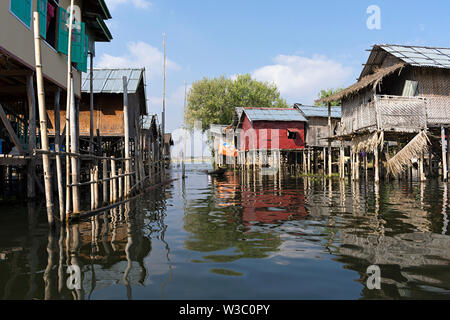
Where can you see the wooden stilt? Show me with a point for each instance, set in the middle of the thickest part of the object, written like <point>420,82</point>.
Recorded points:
<point>31,137</point>
<point>126,124</point>
<point>105,183</point>
<point>120,184</point>
<point>74,160</point>
<point>342,161</point>
<point>421,169</point>
<point>91,104</point>
<point>59,172</point>
<point>43,121</point>
<point>357,165</point>
<point>114,180</point>
<point>330,134</point>
<point>444,155</point>
<point>376,163</point>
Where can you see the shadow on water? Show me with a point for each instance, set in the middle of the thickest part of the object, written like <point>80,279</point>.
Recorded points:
<point>239,236</point>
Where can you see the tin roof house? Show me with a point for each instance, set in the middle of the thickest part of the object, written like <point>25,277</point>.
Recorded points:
<point>317,130</point>
<point>403,95</point>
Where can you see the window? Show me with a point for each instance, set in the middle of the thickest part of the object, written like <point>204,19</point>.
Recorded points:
<point>22,10</point>
<point>79,39</point>
<point>51,26</point>
<point>292,135</point>
<point>410,88</point>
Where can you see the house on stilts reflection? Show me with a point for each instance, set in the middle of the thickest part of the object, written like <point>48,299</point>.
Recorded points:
<point>397,116</point>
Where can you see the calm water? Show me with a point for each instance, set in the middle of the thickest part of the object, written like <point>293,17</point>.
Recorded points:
<point>239,237</point>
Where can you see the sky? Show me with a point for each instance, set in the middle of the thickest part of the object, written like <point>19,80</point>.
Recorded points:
<point>301,46</point>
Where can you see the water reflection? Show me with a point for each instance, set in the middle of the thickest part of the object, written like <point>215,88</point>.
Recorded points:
<point>243,235</point>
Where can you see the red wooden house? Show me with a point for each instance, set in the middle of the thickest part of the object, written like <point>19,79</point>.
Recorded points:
<point>271,129</point>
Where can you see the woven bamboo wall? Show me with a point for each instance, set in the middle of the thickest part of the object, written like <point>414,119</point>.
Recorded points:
<point>434,84</point>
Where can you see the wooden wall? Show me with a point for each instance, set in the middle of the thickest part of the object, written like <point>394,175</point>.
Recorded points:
<point>260,134</point>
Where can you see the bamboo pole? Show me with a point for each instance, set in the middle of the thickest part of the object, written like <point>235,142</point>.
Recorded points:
<point>330,133</point>
<point>43,120</point>
<point>91,105</point>
<point>114,181</point>
<point>96,196</point>
<point>120,184</point>
<point>376,162</point>
<point>74,160</point>
<point>126,124</point>
<point>68,104</point>
<point>342,161</point>
<point>105,183</point>
<point>444,155</point>
<point>59,171</point>
<point>32,136</point>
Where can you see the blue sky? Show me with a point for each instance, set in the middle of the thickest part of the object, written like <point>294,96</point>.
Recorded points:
<point>302,46</point>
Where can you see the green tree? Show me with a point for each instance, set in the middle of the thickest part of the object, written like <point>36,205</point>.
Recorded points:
<point>327,93</point>
<point>213,101</point>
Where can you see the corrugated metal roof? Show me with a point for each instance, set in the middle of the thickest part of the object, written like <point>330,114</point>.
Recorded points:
<point>274,115</point>
<point>420,56</point>
<point>320,112</point>
<point>110,80</point>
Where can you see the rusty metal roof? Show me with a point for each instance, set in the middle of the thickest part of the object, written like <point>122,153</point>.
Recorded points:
<point>111,80</point>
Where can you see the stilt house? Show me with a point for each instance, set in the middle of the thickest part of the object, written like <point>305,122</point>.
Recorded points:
<point>403,95</point>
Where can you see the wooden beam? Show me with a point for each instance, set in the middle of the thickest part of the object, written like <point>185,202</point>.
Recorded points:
<point>10,130</point>
<point>16,73</point>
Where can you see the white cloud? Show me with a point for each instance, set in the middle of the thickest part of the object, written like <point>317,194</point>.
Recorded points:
<point>141,4</point>
<point>140,54</point>
<point>300,79</point>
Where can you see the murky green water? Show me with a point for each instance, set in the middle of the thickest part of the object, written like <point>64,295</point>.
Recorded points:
<point>238,237</point>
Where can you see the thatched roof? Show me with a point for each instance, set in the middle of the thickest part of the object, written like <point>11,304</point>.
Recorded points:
<point>369,80</point>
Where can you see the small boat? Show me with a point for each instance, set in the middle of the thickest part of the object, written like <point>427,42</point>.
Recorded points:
<point>218,171</point>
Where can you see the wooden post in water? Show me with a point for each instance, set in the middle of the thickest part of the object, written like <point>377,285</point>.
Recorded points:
<point>120,184</point>
<point>376,162</point>
<point>68,105</point>
<point>357,165</point>
<point>59,172</point>
<point>43,121</point>
<point>324,161</point>
<point>421,171</point>
<point>91,104</point>
<point>330,134</point>
<point>126,124</point>
<point>114,180</point>
<point>342,161</point>
<point>444,155</point>
<point>74,160</point>
<point>32,137</point>
<point>105,183</point>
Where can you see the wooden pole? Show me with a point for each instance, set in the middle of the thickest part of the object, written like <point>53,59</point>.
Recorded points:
<point>444,155</point>
<point>74,160</point>
<point>330,134</point>
<point>114,181</point>
<point>105,183</point>
<point>43,121</point>
<point>91,104</point>
<point>126,124</point>
<point>68,104</point>
<point>342,161</point>
<point>59,172</point>
<point>120,184</point>
<point>421,171</point>
<point>376,162</point>
<point>32,136</point>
